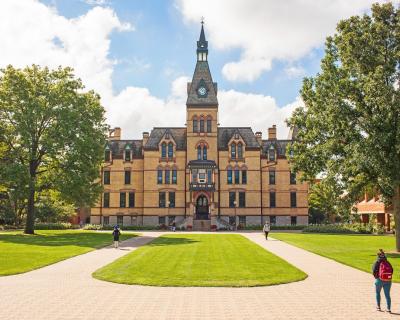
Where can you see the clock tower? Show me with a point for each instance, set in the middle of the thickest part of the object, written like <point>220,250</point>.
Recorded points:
<point>202,138</point>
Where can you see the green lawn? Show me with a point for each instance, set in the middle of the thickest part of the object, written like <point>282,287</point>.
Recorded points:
<point>200,260</point>
<point>21,253</point>
<point>358,251</point>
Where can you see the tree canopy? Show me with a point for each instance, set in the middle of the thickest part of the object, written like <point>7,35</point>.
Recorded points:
<point>52,136</point>
<point>349,129</point>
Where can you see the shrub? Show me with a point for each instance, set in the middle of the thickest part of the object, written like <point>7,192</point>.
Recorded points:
<point>101,227</point>
<point>53,226</point>
<point>285,227</point>
<point>345,228</point>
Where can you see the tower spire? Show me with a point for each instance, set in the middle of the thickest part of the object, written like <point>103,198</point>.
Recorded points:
<point>202,44</point>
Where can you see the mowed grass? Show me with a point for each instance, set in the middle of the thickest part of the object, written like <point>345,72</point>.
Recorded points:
<point>358,251</point>
<point>202,260</point>
<point>21,253</point>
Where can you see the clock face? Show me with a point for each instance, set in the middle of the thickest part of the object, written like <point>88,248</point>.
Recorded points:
<point>202,91</point>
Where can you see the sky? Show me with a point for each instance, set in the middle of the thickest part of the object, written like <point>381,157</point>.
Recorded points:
<point>139,55</point>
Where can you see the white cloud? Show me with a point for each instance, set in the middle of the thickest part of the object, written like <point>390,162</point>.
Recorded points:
<point>96,2</point>
<point>268,30</point>
<point>294,71</point>
<point>31,32</point>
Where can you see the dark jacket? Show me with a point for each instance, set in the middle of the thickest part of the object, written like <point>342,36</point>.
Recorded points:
<point>375,266</point>
<point>116,233</point>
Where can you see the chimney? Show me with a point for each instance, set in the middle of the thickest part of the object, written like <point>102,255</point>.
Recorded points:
<point>272,133</point>
<point>259,137</point>
<point>115,134</point>
<point>145,138</point>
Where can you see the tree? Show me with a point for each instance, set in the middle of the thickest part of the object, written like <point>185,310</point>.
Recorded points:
<point>349,128</point>
<point>54,133</point>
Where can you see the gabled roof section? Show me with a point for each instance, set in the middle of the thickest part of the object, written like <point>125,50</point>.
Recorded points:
<point>225,134</point>
<point>202,75</point>
<point>117,147</point>
<point>156,135</point>
<point>279,145</point>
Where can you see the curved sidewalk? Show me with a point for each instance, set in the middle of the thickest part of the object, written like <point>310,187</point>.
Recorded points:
<point>66,290</point>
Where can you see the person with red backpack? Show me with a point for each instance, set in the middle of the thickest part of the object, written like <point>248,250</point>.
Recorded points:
<point>382,271</point>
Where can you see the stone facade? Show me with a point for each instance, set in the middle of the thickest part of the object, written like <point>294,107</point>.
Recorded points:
<point>227,175</point>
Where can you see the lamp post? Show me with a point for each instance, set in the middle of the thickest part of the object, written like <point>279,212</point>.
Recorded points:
<point>168,212</point>
<point>235,204</point>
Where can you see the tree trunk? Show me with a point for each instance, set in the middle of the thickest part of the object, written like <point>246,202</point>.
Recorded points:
<point>30,216</point>
<point>396,215</point>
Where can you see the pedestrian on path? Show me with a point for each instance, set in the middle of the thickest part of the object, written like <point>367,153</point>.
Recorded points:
<point>382,271</point>
<point>266,229</point>
<point>116,233</point>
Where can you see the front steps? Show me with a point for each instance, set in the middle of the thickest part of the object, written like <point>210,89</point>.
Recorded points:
<point>201,225</point>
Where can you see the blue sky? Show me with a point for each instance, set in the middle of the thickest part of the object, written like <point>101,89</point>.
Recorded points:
<point>139,55</point>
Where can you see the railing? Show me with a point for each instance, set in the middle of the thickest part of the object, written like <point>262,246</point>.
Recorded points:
<point>196,186</point>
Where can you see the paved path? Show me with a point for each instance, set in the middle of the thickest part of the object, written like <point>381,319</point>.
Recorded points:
<point>66,290</point>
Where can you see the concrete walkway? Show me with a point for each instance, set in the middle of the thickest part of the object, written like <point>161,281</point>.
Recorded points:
<point>66,290</point>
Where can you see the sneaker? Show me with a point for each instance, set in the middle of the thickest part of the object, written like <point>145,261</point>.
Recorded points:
<point>378,308</point>
<point>389,311</point>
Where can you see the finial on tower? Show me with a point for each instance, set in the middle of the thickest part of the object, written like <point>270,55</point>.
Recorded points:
<point>202,20</point>
<point>202,44</point>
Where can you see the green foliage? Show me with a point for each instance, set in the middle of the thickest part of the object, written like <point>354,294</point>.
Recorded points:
<point>103,227</point>
<point>216,260</point>
<point>349,128</point>
<point>51,208</point>
<point>349,228</point>
<point>53,226</point>
<point>287,227</point>
<point>54,134</point>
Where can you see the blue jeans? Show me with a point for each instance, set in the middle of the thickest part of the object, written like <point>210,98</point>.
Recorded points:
<point>386,285</point>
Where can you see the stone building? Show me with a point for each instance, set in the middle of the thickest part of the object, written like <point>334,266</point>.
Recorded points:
<point>202,175</point>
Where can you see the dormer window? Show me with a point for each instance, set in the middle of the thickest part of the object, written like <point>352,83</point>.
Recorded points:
<point>240,150</point>
<point>127,153</point>
<point>170,150</point>
<point>163,150</point>
<point>107,154</point>
<point>233,151</point>
<point>271,153</point>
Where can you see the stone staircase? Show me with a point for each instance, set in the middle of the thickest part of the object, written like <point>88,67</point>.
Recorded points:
<point>201,225</point>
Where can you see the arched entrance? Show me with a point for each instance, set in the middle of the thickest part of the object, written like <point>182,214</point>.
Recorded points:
<point>202,208</point>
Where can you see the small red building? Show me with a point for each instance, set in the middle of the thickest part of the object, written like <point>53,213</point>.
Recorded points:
<point>375,205</point>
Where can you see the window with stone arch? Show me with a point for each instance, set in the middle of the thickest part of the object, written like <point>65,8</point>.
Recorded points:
<point>128,153</point>
<point>199,152</point>
<point>170,150</point>
<point>233,150</point>
<point>195,124</point>
<point>201,124</point>
<point>202,150</point>
<point>163,150</point>
<point>271,153</point>
<point>240,150</point>
<point>209,124</point>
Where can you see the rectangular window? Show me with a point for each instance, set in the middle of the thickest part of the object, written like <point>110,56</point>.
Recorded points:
<point>242,199</point>
<point>209,176</point>
<point>159,176</point>
<point>167,176</point>
<point>161,199</point>
<point>122,199</point>
<point>237,181</point>
<point>120,220</point>
<point>127,155</point>
<point>293,178</point>
<point>229,175</point>
<point>271,155</point>
<point>107,156</point>
<point>232,199</point>
<point>293,221</point>
<point>131,199</point>
<point>293,200</point>
<point>174,177</point>
<point>244,176</point>
<point>208,125</point>
<point>194,176</point>
<point>106,200</point>
<point>106,221</point>
<point>242,220</point>
<point>195,129</point>
<point>204,153</point>
<point>272,220</point>
<point>127,177</point>
<point>161,220</point>
<point>106,177</point>
<point>171,198</point>
<point>272,199</point>
<point>272,177</point>
<point>201,125</point>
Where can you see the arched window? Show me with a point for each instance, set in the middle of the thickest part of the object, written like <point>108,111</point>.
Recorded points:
<point>107,154</point>
<point>229,175</point>
<point>167,176</point>
<point>271,153</point>
<point>240,150</point>
<point>201,125</point>
<point>195,124</point>
<point>163,150</point>
<point>170,150</point>
<point>199,152</point>
<point>237,175</point>
<point>174,176</point>
<point>209,129</point>
<point>127,154</point>
<point>159,176</point>
<point>204,153</point>
<point>233,151</point>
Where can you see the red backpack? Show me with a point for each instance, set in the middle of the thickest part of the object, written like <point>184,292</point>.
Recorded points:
<point>385,271</point>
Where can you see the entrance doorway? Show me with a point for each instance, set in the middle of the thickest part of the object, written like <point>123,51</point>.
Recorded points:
<point>202,208</point>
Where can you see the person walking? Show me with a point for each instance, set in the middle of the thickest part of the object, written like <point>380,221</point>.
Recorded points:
<point>382,271</point>
<point>266,229</point>
<point>173,226</point>
<point>116,233</point>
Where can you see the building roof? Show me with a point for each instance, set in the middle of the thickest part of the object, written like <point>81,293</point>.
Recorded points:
<point>202,164</point>
<point>177,134</point>
<point>117,147</point>
<point>279,145</point>
<point>225,134</point>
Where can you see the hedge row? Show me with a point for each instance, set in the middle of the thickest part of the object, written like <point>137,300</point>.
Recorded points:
<point>347,228</point>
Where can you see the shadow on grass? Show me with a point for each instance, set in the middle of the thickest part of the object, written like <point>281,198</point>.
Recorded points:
<point>165,241</point>
<point>80,239</point>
